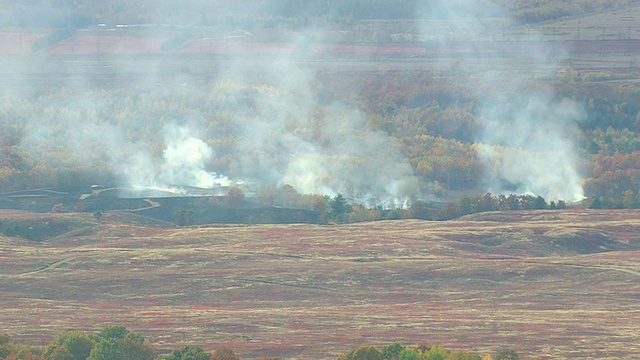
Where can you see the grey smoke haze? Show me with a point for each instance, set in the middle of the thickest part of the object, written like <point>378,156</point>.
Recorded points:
<point>282,132</point>
<point>529,150</point>
<point>183,163</point>
<point>527,135</point>
<point>290,137</point>
<point>285,134</point>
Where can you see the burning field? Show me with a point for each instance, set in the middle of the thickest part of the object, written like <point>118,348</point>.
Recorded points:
<point>547,284</point>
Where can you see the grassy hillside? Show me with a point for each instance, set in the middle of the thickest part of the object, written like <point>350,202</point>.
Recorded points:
<point>547,284</point>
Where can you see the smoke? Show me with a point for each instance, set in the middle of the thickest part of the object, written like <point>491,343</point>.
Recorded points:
<point>529,150</point>
<point>525,134</point>
<point>290,136</point>
<point>183,163</point>
<point>257,121</point>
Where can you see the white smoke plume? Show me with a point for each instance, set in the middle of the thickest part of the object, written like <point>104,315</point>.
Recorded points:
<point>185,159</point>
<point>289,136</point>
<point>527,134</point>
<point>530,150</point>
<point>183,163</point>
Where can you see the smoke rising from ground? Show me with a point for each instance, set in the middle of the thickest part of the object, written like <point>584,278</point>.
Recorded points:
<point>529,150</point>
<point>526,133</point>
<point>160,132</point>
<point>291,137</point>
<point>183,163</point>
<point>281,132</point>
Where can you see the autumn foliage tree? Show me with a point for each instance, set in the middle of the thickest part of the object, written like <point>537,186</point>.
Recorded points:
<point>224,353</point>
<point>234,197</point>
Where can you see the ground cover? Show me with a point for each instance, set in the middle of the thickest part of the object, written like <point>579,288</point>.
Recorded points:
<point>305,291</point>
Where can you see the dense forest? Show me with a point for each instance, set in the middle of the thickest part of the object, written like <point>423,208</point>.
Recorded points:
<point>432,122</point>
<point>116,342</point>
<point>267,13</point>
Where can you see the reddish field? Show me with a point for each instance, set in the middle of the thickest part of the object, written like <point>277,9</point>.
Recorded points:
<point>549,284</point>
<point>137,42</point>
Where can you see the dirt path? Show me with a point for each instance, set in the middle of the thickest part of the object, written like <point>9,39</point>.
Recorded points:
<point>152,204</point>
<point>48,267</point>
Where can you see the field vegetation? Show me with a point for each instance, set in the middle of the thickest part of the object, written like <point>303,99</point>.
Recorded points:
<point>115,342</point>
<point>262,269</point>
<point>547,284</point>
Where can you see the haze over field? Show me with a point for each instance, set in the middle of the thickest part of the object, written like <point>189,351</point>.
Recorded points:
<point>284,132</point>
<point>528,148</point>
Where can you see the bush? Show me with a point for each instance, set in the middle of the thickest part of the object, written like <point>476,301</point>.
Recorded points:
<point>366,352</point>
<point>507,354</point>
<point>224,353</point>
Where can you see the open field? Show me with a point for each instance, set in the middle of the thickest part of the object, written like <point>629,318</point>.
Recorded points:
<point>549,284</point>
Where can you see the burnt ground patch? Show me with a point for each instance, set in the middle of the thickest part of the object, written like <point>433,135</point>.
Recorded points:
<point>42,229</point>
<point>162,206</point>
<point>198,211</point>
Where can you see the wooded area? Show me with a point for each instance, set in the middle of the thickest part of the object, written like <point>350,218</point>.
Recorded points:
<point>116,342</point>
<point>433,121</point>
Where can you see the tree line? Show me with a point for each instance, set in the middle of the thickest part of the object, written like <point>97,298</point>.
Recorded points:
<point>432,119</point>
<point>115,342</point>
<point>338,209</point>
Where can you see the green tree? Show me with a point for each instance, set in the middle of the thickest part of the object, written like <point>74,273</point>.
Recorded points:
<point>366,352</point>
<point>184,217</point>
<point>392,351</point>
<point>135,349</point>
<point>539,203</point>
<point>437,353</point>
<point>188,353</point>
<point>409,354</point>
<point>506,354</point>
<point>125,349</point>
<point>512,202</point>
<point>596,203</point>
<point>4,338</point>
<point>112,332</point>
<point>57,352</point>
<point>108,349</point>
<point>77,343</point>
<point>338,206</point>
<point>115,342</point>
<point>464,355</point>
<point>5,351</point>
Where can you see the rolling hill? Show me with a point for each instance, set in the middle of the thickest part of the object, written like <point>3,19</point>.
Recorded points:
<point>547,284</point>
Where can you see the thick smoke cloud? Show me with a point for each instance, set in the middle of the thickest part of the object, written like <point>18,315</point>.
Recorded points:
<point>526,134</point>
<point>529,150</point>
<point>183,163</point>
<point>291,137</point>
<point>154,134</point>
<point>284,133</point>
